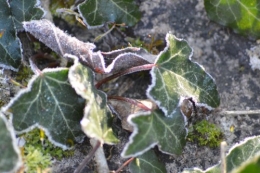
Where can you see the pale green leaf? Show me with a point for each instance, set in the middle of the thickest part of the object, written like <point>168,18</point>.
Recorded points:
<point>241,155</point>
<point>50,103</point>
<point>241,15</point>
<point>96,122</point>
<point>12,13</point>
<point>147,162</point>
<point>250,166</point>
<point>175,76</point>
<point>154,128</point>
<point>10,158</point>
<point>98,12</point>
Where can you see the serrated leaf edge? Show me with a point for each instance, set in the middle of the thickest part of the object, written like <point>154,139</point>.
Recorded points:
<point>26,90</point>
<point>152,73</point>
<point>135,132</point>
<point>14,143</point>
<point>153,81</point>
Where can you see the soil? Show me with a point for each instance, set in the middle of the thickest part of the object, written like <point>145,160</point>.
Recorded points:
<point>218,49</point>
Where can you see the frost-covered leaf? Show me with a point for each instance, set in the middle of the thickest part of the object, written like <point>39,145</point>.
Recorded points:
<point>96,122</point>
<point>153,128</point>
<point>239,156</point>
<point>241,15</point>
<point>61,42</point>
<point>117,60</point>
<point>50,103</point>
<point>147,162</point>
<point>12,13</point>
<point>98,12</point>
<point>176,76</point>
<point>10,158</point>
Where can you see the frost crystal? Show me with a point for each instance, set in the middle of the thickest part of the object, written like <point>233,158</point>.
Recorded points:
<point>254,55</point>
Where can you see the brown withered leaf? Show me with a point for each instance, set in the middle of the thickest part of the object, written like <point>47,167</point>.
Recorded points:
<point>123,109</point>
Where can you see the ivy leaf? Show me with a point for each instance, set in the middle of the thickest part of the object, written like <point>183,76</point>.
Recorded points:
<point>49,103</point>
<point>25,10</point>
<point>96,122</point>
<point>241,15</point>
<point>10,159</point>
<point>175,76</point>
<point>252,166</point>
<point>147,162</point>
<point>97,12</point>
<point>153,128</point>
<point>240,155</point>
<point>12,13</point>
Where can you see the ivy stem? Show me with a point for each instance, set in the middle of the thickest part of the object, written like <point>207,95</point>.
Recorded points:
<point>129,100</point>
<point>125,72</point>
<point>249,112</point>
<point>124,164</point>
<point>223,166</point>
<point>88,158</point>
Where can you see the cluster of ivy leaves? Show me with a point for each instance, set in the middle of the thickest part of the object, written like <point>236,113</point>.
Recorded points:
<point>67,105</point>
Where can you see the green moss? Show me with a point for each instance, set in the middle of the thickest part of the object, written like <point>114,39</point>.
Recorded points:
<point>152,46</point>
<point>35,160</point>
<point>2,103</point>
<point>23,75</point>
<point>206,134</point>
<point>43,145</point>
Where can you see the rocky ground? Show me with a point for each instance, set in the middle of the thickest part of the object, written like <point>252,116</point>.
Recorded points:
<point>222,53</point>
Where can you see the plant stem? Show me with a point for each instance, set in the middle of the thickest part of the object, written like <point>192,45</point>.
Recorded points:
<point>223,146</point>
<point>249,112</point>
<point>88,158</point>
<point>132,101</point>
<point>125,72</point>
<point>124,164</point>
<point>100,158</point>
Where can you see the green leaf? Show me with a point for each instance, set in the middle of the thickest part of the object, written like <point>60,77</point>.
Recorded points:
<point>50,103</point>
<point>25,10</point>
<point>241,15</point>
<point>12,13</point>
<point>98,12</point>
<point>10,158</point>
<point>96,122</point>
<point>252,166</point>
<point>154,128</point>
<point>175,76</point>
<point>147,162</point>
<point>240,155</point>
